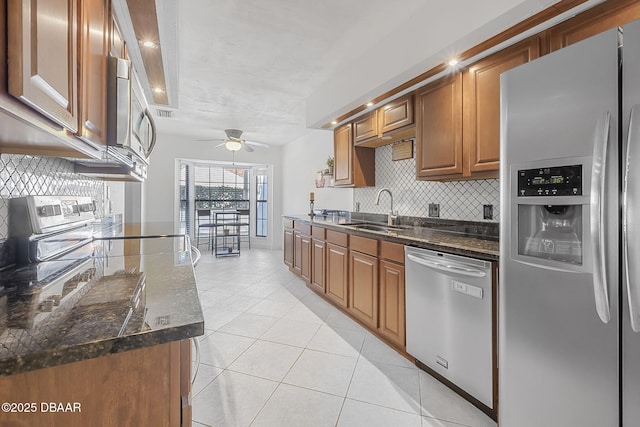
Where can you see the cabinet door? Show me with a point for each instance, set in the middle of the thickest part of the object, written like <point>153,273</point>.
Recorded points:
<point>439,128</point>
<point>343,151</point>
<point>318,261</point>
<point>93,70</point>
<point>288,247</point>
<point>481,123</point>
<point>392,303</point>
<point>365,128</point>
<point>337,273</point>
<point>305,258</point>
<point>117,46</point>
<point>297,252</point>
<point>43,59</point>
<point>395,115</point>
<point>353,166</point>
<point>596,20</point>
<point>363,287</point>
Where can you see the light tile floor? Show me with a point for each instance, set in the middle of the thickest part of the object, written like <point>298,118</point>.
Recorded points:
<point>276,354</point>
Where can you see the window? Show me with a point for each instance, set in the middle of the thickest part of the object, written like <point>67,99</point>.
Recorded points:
<point>221,188</point>
<point>185,223</point>
<point>261,205</point>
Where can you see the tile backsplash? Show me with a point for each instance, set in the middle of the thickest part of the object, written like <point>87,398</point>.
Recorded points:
<point>22,175</point>
<point>460,200</point>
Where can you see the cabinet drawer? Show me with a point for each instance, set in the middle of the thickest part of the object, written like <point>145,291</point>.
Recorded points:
<point>392,251</point>
<point>364,245</point>
<point>337,238</point>
<point>318,232</point>
<point>303,228</point>
<point>288,223</point>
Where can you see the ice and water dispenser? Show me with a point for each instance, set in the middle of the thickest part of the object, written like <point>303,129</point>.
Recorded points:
<point>547,230</point>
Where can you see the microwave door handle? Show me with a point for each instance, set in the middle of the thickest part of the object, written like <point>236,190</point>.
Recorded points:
<point>152,144</point>
<point>597,205</point>
<point>630,195</point>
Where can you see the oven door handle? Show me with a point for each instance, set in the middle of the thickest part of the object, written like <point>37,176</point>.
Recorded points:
<point>448,267</point>
<point>598,182</point>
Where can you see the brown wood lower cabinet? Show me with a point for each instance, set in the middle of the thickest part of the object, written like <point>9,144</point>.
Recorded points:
<point>305,258</point>
<point>288,247</point>
<point>392,303</point>
<point>363,287</point>
<point>337,273</point>
<point>318,261</point>
<point>297,252</point>
<point>149,386</point>
<point>362,275</point>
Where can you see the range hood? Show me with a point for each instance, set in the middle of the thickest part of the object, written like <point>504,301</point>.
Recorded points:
<point>123,168</point>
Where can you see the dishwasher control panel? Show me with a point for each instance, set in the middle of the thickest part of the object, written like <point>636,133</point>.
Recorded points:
<point>467,289</point>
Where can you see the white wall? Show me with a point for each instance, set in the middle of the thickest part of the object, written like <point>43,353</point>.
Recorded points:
<point>159,188</point>
<point>303,158</point>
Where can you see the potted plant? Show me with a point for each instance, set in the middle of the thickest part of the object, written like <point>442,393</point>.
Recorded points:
<point>330,165</point>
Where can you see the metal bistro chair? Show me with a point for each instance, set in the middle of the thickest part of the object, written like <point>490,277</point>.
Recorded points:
<point>204,220</point>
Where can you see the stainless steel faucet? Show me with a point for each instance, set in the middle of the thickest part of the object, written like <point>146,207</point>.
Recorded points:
<point>392,215</point>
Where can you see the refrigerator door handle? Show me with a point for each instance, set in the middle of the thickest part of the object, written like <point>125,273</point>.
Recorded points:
<point>598,176</point>
<point>630,194</point>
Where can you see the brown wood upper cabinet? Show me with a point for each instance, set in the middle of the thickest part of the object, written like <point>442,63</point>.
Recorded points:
<point>365,128</point>
<point>353,166</point>
<point>458,118</point>
<point>95,44</point>
<point>387,120</point>
<point>439,128</point>
<point>601,18</point>
<point>43,57</point>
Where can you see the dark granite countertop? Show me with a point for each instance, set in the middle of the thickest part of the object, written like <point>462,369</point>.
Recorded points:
<point>474,239</point>
<point>109,302</point>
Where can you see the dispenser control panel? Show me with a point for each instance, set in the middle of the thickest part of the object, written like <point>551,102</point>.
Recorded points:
<point>551,181</point>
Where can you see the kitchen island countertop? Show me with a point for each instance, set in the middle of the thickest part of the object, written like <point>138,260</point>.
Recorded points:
<point>126,302</point>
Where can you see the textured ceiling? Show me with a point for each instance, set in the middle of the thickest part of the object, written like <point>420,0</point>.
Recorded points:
<point>252,64</point>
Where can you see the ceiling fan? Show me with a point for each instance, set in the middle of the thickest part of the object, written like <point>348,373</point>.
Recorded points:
<point>233,142</point>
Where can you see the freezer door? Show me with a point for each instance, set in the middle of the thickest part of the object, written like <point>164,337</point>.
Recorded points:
<point>631,229</point>
<point>558,334</point>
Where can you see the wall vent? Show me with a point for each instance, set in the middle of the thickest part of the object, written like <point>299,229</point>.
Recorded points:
<point>165,113</point>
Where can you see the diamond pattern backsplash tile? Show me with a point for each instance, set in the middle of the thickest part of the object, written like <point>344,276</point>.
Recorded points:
<point>461,200</point>
<point>31,175</point>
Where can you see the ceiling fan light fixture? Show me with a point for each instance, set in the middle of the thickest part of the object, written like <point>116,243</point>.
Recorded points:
<point>232,145</point>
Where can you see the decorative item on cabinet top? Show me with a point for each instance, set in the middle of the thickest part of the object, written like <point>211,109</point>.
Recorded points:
<point>324,178</point>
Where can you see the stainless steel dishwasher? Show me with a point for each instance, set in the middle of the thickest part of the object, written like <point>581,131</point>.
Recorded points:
<point>449,313</point>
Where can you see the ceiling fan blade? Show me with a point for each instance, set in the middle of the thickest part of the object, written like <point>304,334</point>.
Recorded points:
<point>211,140</point>
<point>257,144</point>
<point>247,148</point>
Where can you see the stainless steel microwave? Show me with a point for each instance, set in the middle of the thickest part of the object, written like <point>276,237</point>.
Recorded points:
<point>131,130</point>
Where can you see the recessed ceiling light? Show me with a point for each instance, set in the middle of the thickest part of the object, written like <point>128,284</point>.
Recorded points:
<point>453,62</point>
<point>334,122</point>
<point>148,43</point>
<point>369,104</point>
<point>158,90</point>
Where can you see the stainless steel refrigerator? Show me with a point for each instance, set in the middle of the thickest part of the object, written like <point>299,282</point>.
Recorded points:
<point>569,350</point>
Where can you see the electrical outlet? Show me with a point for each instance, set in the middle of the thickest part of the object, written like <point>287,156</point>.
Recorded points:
<point>487,211</point>
<point>434,210</point>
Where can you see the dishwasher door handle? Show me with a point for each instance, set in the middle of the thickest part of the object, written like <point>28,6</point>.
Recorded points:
<point>449,267</point>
